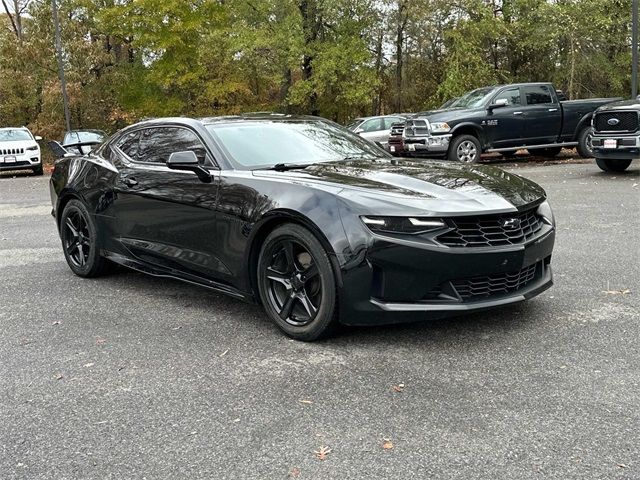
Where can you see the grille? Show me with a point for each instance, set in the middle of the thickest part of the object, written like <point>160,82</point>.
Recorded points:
<point>628,122</point>
<point>397,129</point>
<point>9,166</point>
<point>477,288</point>
<point>11,151</point>
<point>491,230</point>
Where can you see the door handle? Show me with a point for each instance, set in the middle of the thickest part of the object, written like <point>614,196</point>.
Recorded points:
<point>553,110</point>
<point>130,182</point>
<point>518,113</point>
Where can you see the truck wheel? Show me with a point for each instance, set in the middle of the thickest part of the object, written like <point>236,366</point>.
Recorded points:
<point>465,148</point>
<point>545,152</point>
<point>584,148</point>
<point>612,164</point>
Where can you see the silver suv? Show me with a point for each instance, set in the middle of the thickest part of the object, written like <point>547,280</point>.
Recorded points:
<point>375,129</point>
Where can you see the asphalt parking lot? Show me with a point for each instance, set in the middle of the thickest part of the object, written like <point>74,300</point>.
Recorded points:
<point>130,376</point>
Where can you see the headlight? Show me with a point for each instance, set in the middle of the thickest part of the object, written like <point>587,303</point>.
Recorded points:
<point>440,127</point>
<point>544,210</point>
<point>406,225</point>
<point>33,147</point>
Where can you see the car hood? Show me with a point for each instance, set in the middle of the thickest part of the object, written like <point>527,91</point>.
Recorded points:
<point>399,187</point>
<point>625,105</point>
<point>450,114</point>
<point>17,145</point>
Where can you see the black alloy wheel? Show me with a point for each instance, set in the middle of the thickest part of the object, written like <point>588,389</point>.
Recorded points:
<point>80,241</point>
<point>296,283</point>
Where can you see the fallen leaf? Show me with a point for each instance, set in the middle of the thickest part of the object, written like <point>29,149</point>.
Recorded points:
<point>100,341</point>
<point>60,376</point>
<point>322,452</point>
<point>621,465</point>
<point>398,388</point>
<point>387,444</point>
<point>306,402</point>
<point>624,291</point>
<point>57,322</point>
<point>294,473</point>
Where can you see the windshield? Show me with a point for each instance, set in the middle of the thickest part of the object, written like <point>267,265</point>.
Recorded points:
<point>82,137</point>
<point>474,98</point>
<point>260,144</point>
<point>14,135</point>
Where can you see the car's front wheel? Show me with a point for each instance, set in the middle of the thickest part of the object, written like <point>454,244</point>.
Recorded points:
<point>612,165</point>
<point>585,147</point>
<point>79,236</point>
<point>296,283</point>
<point>465,148</point>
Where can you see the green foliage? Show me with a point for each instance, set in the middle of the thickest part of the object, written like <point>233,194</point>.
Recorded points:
<point>129,59</point>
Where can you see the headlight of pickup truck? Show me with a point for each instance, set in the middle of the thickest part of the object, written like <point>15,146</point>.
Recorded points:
<point>440,127</point>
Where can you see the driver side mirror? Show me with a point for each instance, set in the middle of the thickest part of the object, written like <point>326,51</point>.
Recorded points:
<point>188,161</point>
<point>358,130</point>
<point>499,103</point>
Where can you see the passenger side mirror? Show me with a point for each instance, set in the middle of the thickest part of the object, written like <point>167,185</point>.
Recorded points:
<point>188,161</point>
<point>499,103</point>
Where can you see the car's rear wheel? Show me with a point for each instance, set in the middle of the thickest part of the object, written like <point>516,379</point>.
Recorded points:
<point>545,152</point>
<point>465,149</point>
<point>80,241</point>
<point>296,283</point>
<point>612,164</point>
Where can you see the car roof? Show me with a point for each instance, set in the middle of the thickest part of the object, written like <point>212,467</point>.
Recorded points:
<point>15,128</point>
<point>94,130</point>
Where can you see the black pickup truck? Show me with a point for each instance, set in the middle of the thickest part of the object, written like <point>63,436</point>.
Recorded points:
<point>503,118</point>
<point>616,136</point>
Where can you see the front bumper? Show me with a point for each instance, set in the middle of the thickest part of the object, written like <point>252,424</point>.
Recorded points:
<point>436,144</point>
<point>403,282</point>
<point>29,161</point>
<point>625,147</point>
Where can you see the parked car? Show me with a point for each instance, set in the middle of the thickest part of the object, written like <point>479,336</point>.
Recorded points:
<point>306,218</point>
<point>375,129</point>
<point>82,141</point>
<point>19,150</point>
<point>395,142</point>
<point>616,136</point>
<point>504,118</point>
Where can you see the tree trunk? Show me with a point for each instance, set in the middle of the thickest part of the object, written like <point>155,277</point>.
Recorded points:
<point>400,34</point>
<point>311,23</point>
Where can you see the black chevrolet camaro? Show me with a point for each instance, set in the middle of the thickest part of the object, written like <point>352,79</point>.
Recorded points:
<point>304,217</point>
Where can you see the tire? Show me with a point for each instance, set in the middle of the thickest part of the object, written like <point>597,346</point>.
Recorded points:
<point>297,284</point>
<point>545,152</point>
<point>80,241</point>
<point>37,171</point>
<point>465,149</point>
<point>612,164</point>
<point>584,148</point>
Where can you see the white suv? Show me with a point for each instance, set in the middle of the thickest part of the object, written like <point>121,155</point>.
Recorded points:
<point>19,150</point>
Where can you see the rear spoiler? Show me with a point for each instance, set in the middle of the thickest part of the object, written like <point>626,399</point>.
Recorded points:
<point>70,149</point>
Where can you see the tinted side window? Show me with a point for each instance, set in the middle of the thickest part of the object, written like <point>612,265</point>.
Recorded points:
<point>538,94</point>
<point>129,144</point>
<point>157,144</point>
<point>511,95</point>
<point>186,140</point>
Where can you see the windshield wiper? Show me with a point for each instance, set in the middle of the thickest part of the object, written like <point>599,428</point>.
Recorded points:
<point>283,167</point>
